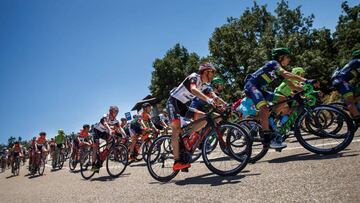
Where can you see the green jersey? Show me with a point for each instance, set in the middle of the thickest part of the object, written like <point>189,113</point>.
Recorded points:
<point>59,139</point>
<point>284,89</point>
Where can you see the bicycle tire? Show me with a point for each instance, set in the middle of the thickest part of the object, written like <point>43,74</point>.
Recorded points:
<point>238,163</point>
<point>119,154</point>
<point>349,135</point>
<point>84,166</point>
<point>154,156</point>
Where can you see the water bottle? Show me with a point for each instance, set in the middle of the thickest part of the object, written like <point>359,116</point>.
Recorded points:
<point>272,124</point>
<point>186,142</point>
<point>283,119</point>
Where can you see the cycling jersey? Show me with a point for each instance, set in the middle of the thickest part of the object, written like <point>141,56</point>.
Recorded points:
<point>101,125</point>
<point>256,83</point>
<point>146,119</point>
<point>346,80</point>
<point>284,88</point>
<point>41,140</point>
<point>84,136</point>
<point>350,73</point>
<point>266,75</point>
<point>183,91</point>
<point>247,107</point>
<point>59,139</point>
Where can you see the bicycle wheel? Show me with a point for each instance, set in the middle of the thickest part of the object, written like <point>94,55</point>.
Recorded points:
<point>61,160</point>
<point>160,159</point>
<point>72,164</point>
<point>117,160</point>
<point>85,166</point>
<point>225,160</point>
<point>145,147</point>
<point>325,140</point>
<point>253,128</point>
<point>42,166</point>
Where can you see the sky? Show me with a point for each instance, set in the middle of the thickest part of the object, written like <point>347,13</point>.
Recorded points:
<point>63,63</point>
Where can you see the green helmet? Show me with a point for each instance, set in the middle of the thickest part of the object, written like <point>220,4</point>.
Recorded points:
<point>356,53</point>
<point>217,80</point>
<point>297,71</point>
<point>279,52</point>
<point>61,131</point>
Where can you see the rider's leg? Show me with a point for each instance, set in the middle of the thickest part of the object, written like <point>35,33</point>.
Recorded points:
<point>350,102</point>
<point>134,139</point>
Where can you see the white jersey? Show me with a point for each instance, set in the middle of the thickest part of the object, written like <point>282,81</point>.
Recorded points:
<point>106,118</point>
<point>183,92</point>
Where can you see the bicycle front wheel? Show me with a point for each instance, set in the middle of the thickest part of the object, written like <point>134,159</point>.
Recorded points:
<point>324,139</point>
<point>85,166</point>
<point>117,160</point>
<point>224,160</point>
<point>160,159</point>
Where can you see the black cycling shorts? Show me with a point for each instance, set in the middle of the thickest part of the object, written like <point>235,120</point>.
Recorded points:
<point>99,134</point>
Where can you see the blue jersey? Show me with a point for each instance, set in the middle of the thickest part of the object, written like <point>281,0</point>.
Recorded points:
<point>247,107</point>
<point>265,75</point>
<point>350,72</point>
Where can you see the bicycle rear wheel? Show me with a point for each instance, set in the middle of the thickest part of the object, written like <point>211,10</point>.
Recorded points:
<point>85,166</point>
<point>117,160</point>
<point>324,139</point>
<point>225,160</point>
<point>160,159</point>
<point>145,148</point>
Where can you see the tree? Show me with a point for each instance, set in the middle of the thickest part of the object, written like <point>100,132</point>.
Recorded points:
<point>11,141</point>
<point>347,34</point>
<point>171,70</point>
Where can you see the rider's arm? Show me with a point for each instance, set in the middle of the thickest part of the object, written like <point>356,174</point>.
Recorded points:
<point>293,86</point>
<point>218,99</point>
<point>122,131</point>
<point>194,90</point>
<point>290,76</point>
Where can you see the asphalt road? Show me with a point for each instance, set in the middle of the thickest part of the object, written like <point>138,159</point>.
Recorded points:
<point>294,175</point>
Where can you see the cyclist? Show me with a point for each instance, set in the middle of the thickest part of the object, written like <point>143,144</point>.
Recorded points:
<point>41,146</point>
<point>15,152</point>
<point>287,88</point>
<point>31,152</point>
<point>346,81</point>
<point>255,88</point>
<point>107,127</point>
<point>52,145</point>
<point>190,88</point>
<point>83,140</point>
<point>59,141</point>
<point>137,129</point>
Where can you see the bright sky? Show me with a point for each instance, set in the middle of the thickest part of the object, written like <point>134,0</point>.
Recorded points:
<point>62,63</point>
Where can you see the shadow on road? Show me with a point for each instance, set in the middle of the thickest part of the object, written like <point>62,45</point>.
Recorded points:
<point>310,156</point>
<point>138,165</point>
<point>11,176</point>
<point>109,178</point>
<point>35,176</point>
<point>56,169</point>
<point>212,179</point>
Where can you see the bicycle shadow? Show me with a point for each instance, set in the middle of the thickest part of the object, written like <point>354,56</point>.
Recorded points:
<point>138,165</point>
<point>213,179</point>
<point>109,178</point>
<point>309,157</point>
<point>35,176</point>
<point>11,176</point>
<point>55,169</point>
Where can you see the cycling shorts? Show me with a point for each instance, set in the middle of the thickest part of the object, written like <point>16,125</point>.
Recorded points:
<point>98,134</point>
<point>176,109</point>
<point>344,88</point>
<point>259,97</point>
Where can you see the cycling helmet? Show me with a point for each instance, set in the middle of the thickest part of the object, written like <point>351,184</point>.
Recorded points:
<point>61,132</point>
<point>298,71</point>
<point>42,133</point>
<point>114,108</point>
<point>205,66</point>
<point>217,80</point>
<point>277,52</point>
<point>146,105</point>
<point>356,53</point>
<point>86,126</point>
<point>123,119</point>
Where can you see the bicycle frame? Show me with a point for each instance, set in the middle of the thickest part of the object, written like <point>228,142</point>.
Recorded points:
<point>210,124</point>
